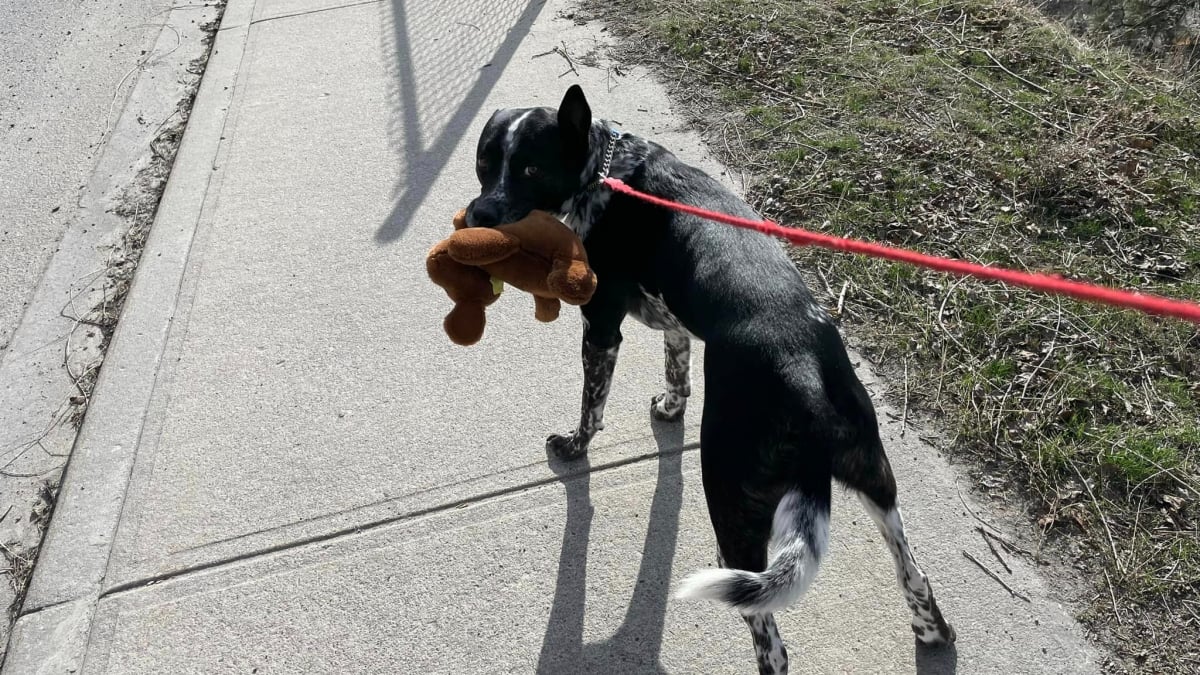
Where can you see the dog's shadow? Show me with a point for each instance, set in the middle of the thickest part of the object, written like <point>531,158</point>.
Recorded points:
<point>637,643</point>
<point>636,646</point>
<point>940,660</point>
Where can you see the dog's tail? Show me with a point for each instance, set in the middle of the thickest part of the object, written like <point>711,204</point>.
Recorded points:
<point>799,536</point>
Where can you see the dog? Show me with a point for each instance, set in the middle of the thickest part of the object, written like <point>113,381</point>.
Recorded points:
<point>784,414</point>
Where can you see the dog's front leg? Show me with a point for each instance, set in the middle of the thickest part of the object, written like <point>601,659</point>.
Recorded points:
<point>599,360</point>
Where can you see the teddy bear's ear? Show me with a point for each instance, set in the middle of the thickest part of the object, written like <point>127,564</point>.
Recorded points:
<point>575,121</point>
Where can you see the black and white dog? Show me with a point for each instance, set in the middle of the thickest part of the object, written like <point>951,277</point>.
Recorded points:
<point>784,412</point>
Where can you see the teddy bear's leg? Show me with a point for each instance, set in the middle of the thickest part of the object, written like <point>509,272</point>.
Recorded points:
<point>571,280</point>
<point>669,406</point>
<point>464,324</point>
<point>546,309</point>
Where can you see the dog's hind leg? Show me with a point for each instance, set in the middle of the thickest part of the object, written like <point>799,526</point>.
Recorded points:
<point>872,479</point>
<point>768,646</point>
<point>928,624</point>
<point>669,406</point>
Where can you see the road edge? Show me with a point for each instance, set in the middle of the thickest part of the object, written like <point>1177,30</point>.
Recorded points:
<point>52,631</point>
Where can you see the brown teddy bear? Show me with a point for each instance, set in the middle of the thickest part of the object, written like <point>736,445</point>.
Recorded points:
<point>537,254</point>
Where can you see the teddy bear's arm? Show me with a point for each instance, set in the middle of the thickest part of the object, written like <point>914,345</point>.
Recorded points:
<point>481,245</point>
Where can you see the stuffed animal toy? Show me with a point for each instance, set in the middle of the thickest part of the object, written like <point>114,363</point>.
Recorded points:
<point>537,254</point>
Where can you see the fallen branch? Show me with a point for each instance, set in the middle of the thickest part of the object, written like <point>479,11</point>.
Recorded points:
<point>1012,548</point>
<point>1103,521</point>
<point>1112,596</point>
<point>993,575</point>
<point>563,53</point>
<point>764,85</point>
<point>992,548</point>
<point>968,508</point>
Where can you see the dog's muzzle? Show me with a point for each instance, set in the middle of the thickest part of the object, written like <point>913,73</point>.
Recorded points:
<point>484,212</point>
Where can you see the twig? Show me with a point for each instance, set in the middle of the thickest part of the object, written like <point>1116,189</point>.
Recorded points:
<point>904,412</point>
<point>996,61</point>
<point>1112,596</point>
<point>11,554</point>
<point>1009,101</point>
<point>770,132</point>
<point>1012,548</point>
<point>141,65</point>
<point>968,508</point>
<point>842,297</point>
<point>992,547</point>
<point>469,25</point>
<point>1103,521</point>
<point>993,575</point>
<point>942,311</point>
<point>6,512</point>
<point>764,85</point>
<point>563,53</point>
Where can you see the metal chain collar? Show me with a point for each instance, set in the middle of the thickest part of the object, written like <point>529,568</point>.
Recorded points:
<point>611,146</point>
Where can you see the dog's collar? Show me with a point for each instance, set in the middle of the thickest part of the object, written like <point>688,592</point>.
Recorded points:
<point>609,148</point>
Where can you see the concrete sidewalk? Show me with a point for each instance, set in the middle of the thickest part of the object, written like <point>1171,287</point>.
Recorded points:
<point>289,468</point>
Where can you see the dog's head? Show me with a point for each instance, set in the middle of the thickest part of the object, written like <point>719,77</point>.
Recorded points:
<point>531,158</point>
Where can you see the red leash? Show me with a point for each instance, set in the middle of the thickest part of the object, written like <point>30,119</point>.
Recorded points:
<point>1150,304</point>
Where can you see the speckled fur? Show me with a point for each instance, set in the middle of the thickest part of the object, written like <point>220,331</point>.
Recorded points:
<point>927,623</point>
<point>598,365</point>
<point>670,405</point>
<point>582,210</point>
<point>768,646</point>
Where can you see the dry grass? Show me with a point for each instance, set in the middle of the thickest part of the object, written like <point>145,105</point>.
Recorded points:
<point>18,559</point>
<point>137,207</point>
<point>981,130</point>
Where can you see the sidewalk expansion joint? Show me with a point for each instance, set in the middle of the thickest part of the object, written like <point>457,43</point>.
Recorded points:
<point>39,610</point>
<point>345,532</point>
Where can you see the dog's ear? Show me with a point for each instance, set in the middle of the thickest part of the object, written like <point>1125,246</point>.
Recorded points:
<point>575,121</point>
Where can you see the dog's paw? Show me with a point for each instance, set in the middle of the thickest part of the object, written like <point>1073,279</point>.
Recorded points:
<point>566,446</point>
<point>668,407</point>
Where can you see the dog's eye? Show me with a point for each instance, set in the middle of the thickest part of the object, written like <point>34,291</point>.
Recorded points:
<point>482,165</point>
<point>531,171</point>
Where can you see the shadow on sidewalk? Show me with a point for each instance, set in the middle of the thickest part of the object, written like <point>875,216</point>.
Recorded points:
<point>936,660</point>
<point>636,645</point>
<point>424,98</point>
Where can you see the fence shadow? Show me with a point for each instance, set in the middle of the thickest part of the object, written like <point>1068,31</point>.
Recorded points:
<point>441,112</point>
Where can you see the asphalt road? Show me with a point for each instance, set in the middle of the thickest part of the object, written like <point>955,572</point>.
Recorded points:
<point>65,70</point>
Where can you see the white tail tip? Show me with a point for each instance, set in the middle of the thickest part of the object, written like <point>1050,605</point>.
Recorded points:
<point>706,584</point>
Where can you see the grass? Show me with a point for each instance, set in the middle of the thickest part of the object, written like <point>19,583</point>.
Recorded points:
<point>981,130</point>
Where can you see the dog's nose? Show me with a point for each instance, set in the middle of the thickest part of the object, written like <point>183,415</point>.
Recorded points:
<point>483,213</point>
